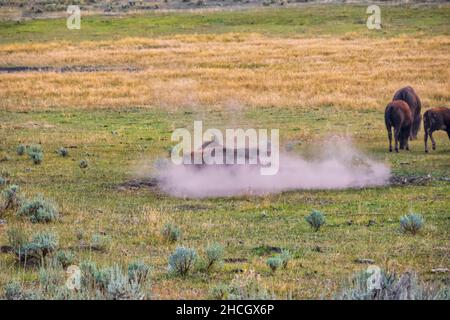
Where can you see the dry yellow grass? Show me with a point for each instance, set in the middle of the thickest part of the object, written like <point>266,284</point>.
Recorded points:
<point>214,70</point>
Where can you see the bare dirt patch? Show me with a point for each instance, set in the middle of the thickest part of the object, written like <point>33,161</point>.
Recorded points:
<point>418,180</point>
<point>153,184</point>
<point>135,184</point>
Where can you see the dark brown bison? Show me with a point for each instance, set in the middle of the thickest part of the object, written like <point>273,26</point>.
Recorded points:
<point>435,119</point>
<point>398,115</point>
<point>408,95</point>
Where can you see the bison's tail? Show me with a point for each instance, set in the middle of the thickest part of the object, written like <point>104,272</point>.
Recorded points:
<point>416,125</point>
<point>388,117</point>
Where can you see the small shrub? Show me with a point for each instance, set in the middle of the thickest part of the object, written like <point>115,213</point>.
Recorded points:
<point>39,210</point>
<point>88,271</point>
<point>247,286</point>
<point>171,233</point>
<point>214,255</point>
<point>34,251</point>
<point>11,199</point>
<point>63,152</point>
<point>112,282</point>
<point>121,288</point>
<point>21,149</point>
<point>315,220</point>
<point>35,153</point>
<point>102,277</point>
<point>32,295</point>
<point>274,263</point>
<point>45,241</point>
<point>2,181</point>
<point>100,242</point>
<point>411,223</point>
<point>64,258</point>
<point>13,291</point>
<point>37,157</point>
<point>407,286</point>
<point>182,261</point>
<point>220,292</point>
<point>138,271</point>
<point>50,278</point>
<point>16,237</point>
<point>285,257</point>
<point>83,164</point>
<point>34,148</point>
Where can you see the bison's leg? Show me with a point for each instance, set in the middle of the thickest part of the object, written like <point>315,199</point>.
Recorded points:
<point>402,142</point>
<point>396,137</point>
<point>406,140</point>
<point>403,137</point>
<point>389,130</point>
<point>425,139</point>
<point>433,143</point>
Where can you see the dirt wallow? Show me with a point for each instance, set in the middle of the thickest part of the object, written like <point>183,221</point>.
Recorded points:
<point>153,183</point>
<point>64,69</point>
<point>135,184</point>
<point>417,180</point>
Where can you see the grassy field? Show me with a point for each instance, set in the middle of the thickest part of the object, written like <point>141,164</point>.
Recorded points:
<point>304,21</point>
<point>312,72</point>
<point>282,67</point>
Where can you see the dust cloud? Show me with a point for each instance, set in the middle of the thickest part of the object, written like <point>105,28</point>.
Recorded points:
<point>337,165</point>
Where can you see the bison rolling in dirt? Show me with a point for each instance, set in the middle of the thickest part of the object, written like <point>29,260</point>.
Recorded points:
<point>435,119</point>
<point>408,95</point>
<point>229,156</point>
<point>398,115</point>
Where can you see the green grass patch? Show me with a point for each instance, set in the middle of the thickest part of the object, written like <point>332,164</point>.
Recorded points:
<point>251,229</point>
<point>304,21</point>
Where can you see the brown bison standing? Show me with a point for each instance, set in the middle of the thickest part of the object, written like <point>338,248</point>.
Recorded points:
<point>408,95</point>
<point>398,115</point>
<point>435,119</point>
